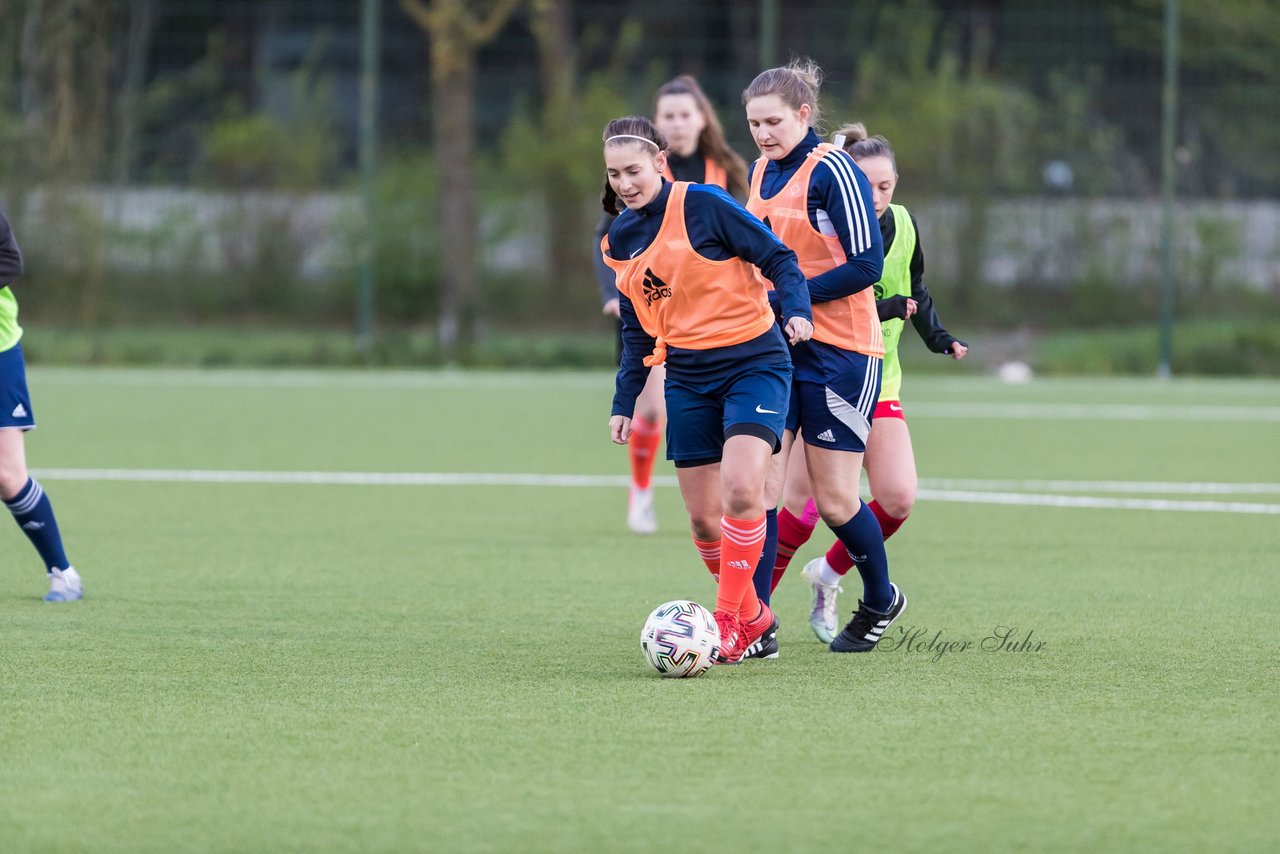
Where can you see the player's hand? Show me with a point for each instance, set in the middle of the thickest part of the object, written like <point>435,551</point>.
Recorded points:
<point>620,429</point>
<point>612,308</point>
<point>799,329</point>
<point>896,307</point>
<point>958,350</point>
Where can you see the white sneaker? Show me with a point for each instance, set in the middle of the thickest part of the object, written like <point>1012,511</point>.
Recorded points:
<point>824,617</point>
<point>64,585</point>
<point>641,517</point>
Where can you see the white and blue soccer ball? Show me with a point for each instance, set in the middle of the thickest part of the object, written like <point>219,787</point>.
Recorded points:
<point>680,639</point>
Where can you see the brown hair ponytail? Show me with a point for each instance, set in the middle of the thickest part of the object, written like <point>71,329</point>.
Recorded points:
<point>795,83</point>
<point>860,145</point>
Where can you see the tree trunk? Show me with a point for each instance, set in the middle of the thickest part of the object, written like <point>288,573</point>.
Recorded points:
<point>456,29</point>
<point>142,22</point>
<point>565,208</point>
<point>453,99</point>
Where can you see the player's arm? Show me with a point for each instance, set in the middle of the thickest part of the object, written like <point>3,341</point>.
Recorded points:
<point>843,192</point>
<point>605,279</point>
<point>926,321</point>
<point>632,371</point>
<point>10,254</point>
<point>741,234</point>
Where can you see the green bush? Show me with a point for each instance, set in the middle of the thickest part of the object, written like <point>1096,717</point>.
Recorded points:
<point>1200,347</point>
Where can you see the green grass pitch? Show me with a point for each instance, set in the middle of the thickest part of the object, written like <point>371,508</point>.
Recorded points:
<point>308,667</point>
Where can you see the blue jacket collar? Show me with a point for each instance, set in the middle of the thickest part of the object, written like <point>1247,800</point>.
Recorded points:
<point>796,156</point>
<point>659,204</point>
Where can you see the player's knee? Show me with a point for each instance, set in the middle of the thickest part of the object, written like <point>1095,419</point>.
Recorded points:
<point>705,527</point>
<point>837,510</point>
<point>742,500</point>
<point>649,412</point>
<point>898,500</point>
<point>13,476</point>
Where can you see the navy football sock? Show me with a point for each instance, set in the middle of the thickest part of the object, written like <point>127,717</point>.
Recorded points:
<point>34,514</point>
<point>862,537</point>
<point>762,580</point>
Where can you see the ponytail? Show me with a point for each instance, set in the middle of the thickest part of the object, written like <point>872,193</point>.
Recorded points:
<point>795,84</point>
<point>860,145</point>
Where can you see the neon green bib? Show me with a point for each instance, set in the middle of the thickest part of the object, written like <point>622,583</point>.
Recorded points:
<point>10,331</point>
<point>895,281</point>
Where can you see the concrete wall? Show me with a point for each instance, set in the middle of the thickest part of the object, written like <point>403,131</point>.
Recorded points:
<point>1027,240</point>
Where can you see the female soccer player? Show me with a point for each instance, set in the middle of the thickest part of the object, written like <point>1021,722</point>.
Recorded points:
<point>901,294</point>
<point>698,152</point>
<point>21,493</point>
<point>816,200</point>
<point>689,295</point>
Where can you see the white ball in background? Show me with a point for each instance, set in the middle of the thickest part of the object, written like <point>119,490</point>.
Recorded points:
<point>1015,372</point>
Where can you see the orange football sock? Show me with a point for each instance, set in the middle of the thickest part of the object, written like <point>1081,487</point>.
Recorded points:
<point>741,544</point>
<point>710,554</point>
<point>643,445</point>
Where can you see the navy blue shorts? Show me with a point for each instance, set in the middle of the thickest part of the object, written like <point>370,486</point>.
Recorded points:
<point>701,414</point>
<point>15,401</point>
<point>836,411</point>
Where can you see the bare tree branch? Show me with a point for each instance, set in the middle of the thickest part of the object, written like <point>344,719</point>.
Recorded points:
<point>482,31</point>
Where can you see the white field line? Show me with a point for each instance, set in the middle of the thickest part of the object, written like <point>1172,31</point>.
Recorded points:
<point>967,496</point>
<point>341,478</point>
<point>1041,500</point>
<point>1137,486</point>
<point>1092,412</point>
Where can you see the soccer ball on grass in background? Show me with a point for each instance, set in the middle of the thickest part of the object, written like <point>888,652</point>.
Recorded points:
<point>680,639</point>
<point>1015,373</point>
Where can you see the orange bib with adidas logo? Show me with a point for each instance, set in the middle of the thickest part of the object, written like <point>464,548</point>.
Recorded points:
<point>685,300</point>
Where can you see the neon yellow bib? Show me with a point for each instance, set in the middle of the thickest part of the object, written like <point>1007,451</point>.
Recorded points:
<point>895,281</point>
<point>10,331</point>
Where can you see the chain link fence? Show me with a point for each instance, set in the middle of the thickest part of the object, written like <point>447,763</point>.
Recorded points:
<point>215,143</point>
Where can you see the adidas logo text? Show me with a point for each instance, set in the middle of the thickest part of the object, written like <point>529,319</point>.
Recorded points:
<point>33,525</point>
<point>19,411</point>
<point>654,288</point>
<point>826,436</point>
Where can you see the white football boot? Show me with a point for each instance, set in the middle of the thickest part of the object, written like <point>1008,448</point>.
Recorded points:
<point>64,585</point>
<point>641,517</point>
<point>824,617</point>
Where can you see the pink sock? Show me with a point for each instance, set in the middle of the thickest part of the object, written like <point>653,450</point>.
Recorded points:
<point>792,534</point>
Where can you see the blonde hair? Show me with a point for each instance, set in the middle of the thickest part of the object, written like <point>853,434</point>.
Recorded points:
<point>860,145</point>
<point>795,83</point>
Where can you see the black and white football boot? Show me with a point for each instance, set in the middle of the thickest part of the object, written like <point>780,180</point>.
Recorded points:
<point>868,625</point>
<point>765,646</point>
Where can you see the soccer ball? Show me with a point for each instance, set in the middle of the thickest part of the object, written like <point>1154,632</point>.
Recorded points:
<point>680,639</point>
